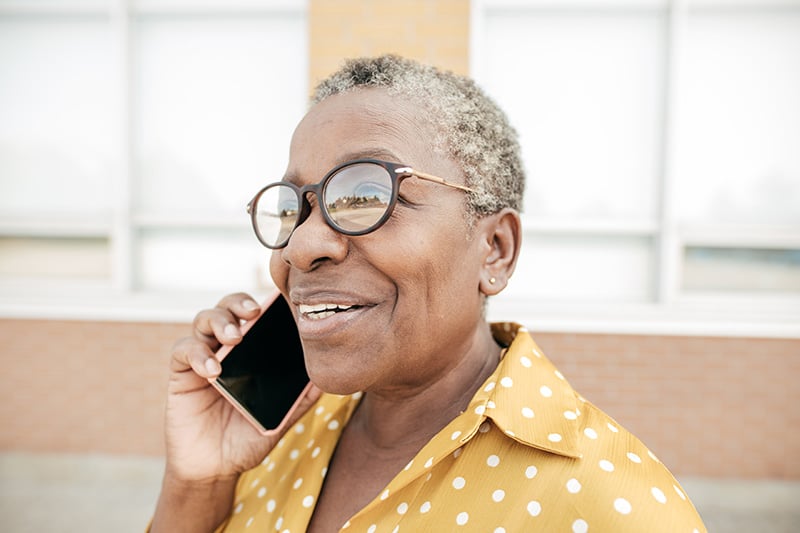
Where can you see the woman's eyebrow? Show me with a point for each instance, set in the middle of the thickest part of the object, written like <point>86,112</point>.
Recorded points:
<point>370,153</point>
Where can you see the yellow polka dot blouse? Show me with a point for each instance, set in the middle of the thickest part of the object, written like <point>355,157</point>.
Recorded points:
<point>529,454</point>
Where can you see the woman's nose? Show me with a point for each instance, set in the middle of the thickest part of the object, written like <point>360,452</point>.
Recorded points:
<point>313,242</point>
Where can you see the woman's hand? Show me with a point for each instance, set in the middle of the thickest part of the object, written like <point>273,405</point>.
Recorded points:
<point>208,443</point>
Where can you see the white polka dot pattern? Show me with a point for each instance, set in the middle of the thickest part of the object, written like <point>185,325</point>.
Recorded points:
<point>534,508</point>
<point>580,526</point>
<point>528,454</point>
<point>622,505</point>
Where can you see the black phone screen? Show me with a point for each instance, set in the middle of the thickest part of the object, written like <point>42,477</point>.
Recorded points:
<point>266,372</point>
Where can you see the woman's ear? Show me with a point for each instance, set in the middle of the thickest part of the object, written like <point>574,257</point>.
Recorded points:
<point>502,234</point>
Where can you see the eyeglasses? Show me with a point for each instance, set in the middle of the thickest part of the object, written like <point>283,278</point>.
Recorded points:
<point>356,198</point>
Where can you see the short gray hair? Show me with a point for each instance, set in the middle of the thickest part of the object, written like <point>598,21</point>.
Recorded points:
<point>474,131</point>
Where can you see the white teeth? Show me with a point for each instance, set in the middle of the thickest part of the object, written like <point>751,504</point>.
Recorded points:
<point>319,311</point>
<point>320,316</point>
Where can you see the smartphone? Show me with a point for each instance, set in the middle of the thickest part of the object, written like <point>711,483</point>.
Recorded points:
<point>264,376</point>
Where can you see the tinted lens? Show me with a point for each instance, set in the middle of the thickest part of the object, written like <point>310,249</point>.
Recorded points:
<point>276,212</point>
<point>358,196</point>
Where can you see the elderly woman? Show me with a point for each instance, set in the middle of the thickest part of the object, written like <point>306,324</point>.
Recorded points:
<point>423,417</point>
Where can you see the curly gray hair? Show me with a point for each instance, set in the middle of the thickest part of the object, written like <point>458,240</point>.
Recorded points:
<point>474,131</point>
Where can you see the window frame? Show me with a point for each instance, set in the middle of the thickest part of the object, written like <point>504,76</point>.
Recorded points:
<point>118,296</point>
<point>673,310</point>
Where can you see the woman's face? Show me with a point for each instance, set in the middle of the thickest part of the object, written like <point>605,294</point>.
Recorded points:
<point>408,292</point>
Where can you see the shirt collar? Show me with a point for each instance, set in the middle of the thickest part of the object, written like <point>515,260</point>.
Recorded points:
<point>522,408</point>
<point>528,398</point>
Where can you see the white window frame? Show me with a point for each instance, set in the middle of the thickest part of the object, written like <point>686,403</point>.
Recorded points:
<point>673,311</point>
<point>117,299</point>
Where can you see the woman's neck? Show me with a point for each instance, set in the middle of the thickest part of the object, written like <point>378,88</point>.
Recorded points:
<point>401,419</point>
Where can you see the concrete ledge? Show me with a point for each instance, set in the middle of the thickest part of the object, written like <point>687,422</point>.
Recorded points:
<point>68,493</point>
<point>738,506</point>
<point>55,493</point>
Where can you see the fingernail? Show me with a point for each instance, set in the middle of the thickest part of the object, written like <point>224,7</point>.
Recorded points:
<point>249,305</point>
<point>211,366</point>
<point>231,331</point>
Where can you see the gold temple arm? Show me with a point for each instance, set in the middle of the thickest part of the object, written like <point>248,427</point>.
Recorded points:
<point>431,177</point>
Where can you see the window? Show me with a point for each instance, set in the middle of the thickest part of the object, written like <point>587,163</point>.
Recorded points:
<point>660,141</point>
<point>133,135</point>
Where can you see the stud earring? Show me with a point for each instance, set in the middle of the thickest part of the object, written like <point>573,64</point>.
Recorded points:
<point>492,280</point>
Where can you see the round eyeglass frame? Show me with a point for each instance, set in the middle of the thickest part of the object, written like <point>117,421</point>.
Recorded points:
<point>397,173</point>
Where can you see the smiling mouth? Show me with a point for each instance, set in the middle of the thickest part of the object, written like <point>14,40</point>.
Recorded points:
<point>320,311</point>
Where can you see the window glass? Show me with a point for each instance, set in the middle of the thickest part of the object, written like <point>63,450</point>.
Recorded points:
<point>201,259</point>
<point>584,91</point>
<point>44,5</point>
<point>562,268</point>
<point>216,101</point>
<point>738,144</point>
<point>57,111</point>
<point>36,258</point>
<point>740,269</point>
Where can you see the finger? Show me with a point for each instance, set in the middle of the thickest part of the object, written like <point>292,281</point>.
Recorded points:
<point>214,327</point>
<point>191,354</point>
<point>220,325</point>
<point>241,305</point>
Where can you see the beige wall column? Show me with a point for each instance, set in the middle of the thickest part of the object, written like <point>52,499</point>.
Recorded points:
<point>432,31</point>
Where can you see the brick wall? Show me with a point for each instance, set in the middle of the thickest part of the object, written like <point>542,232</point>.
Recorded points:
<point>84,386</point>
<point>706,406</point>
<point>719,407</point>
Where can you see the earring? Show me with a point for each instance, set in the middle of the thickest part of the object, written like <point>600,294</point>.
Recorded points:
<point>492,280</point>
